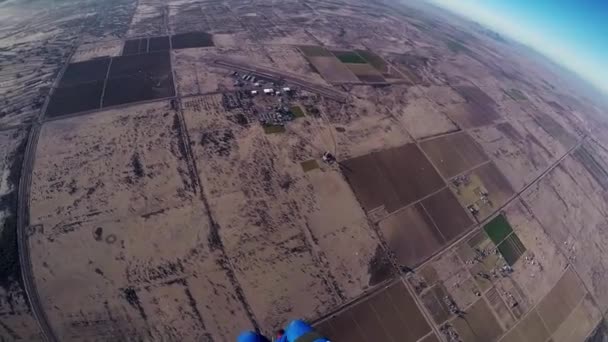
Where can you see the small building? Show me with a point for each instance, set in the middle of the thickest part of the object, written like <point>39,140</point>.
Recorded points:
<point>257,84</point>
<point>286,90</point>
<point>254,92</point>
<point>268,91</point>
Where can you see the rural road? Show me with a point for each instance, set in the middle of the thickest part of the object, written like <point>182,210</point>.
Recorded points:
<point>23,216</point>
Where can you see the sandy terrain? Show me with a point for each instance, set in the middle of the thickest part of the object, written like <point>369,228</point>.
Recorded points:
<point>188,220</point>
<point>109,48</point>
<point>422,120</point>
<point>149,19</point>
<point>275,220</point>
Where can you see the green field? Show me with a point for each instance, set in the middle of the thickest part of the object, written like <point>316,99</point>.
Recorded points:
<point>314,51</point>
<point>457,47</point>
<point>272,129</point>
<point>516,95</point>
<point>511,249</point>
<point>309,165</point>
<point>297,112</point>
<point>349,57</point>
<point>376,61</point>
<point>498,229</point>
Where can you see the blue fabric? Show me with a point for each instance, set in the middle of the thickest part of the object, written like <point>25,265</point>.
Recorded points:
<point>249,336</point>
<point>298,328</point>
<point>295,330</point>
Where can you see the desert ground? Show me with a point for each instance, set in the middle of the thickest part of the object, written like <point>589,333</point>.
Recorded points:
<point>185,170</point>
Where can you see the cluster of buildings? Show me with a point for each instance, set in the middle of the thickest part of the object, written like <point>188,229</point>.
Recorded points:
<point>276,116</point>
<point>265,86</point>
<point>476,190</point>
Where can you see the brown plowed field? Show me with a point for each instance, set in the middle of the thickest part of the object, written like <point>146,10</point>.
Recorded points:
<point>450,218</point>
<point>411,235</point>
<point>454,153</point>
<point>393,177</point>
<point>390,315</point>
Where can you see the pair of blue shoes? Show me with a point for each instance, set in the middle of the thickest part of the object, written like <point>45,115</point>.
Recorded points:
<point>297,331</point>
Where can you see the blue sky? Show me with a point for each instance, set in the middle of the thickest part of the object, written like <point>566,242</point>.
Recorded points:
<point>573,33</point>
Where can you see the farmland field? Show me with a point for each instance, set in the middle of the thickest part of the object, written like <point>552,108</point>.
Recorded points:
<point>349,57</point>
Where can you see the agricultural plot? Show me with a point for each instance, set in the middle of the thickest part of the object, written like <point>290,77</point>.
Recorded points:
<point>498,229</point>
<point>135,46</point>
<point>449,217</point>
<point>340,66</point>
<point>349,57</point>
<point>471,115</point>
<point>561,300</point>
<point>422,119</point>
<point>482,191</point>
<point>362,127</point>
<point>365,72</point>
<point>564,314</point>
<point>444,287</point>
<point>433,301</point>
<point>289,59</point>
<point>555,129</point>
<point>191,40</point>
<point>530,328</point>
<point>297,112</point>
<point>137,78</point>
<point>189,16</point>
<point>314,51</point>
<point>80,88</point>
<point>587,165</point>
<point>387,70</point>
<point>327,65</point>
<point>332,70</point>
<point>131,47</point>
<point>397,318</point>
<point>76,98</point>
<point>85,72</point>
<point>516,94</point>
<point>479,324</point>
<point>374,60</point>
<point>453,154</point>
<point>391,178</point>
<point>521,151</point>
<point>542,264</point>
<point>477,263</point>
<point>411,235</point>
<point>511,249</point>
<point>577,228</point>
<point>309,165</point>
<point>159,44</point>
<point>130,78</point>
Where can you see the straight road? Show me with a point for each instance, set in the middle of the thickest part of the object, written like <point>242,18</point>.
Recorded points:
<point>272,73</point>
